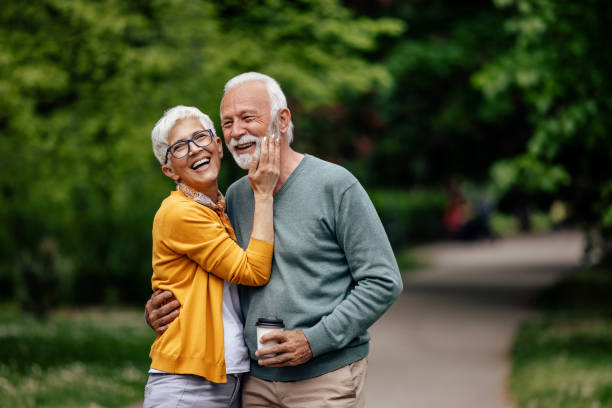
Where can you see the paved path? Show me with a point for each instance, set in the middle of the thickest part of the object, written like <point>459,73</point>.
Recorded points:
<point>445,342</point>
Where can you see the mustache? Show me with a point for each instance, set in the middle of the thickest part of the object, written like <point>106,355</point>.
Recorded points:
<point>248,138</point>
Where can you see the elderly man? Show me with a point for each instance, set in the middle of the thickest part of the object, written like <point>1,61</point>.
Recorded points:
<point>333,274</point>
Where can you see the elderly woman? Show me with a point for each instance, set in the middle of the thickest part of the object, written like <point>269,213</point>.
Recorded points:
<point>200,358</point>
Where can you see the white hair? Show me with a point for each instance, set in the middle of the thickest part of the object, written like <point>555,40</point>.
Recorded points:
<point>275,93</point>
<point>159,134</point>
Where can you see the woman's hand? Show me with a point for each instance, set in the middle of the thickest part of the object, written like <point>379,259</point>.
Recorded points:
<point>263,174</point>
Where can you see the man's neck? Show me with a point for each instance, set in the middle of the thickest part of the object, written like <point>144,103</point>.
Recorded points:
<point>289,160</point>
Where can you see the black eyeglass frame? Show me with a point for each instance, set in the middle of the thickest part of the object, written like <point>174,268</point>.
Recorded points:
<point>210,132</point>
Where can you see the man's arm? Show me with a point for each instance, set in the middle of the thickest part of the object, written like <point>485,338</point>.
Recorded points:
<point>378,283</point>
<point>161,310</point>
<point>373,268</point>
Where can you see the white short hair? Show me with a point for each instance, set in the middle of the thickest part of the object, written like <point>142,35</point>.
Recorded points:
<point>275,93</point>
<point>159,134</point>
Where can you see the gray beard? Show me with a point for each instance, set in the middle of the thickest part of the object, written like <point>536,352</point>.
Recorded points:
<point>244,160</point>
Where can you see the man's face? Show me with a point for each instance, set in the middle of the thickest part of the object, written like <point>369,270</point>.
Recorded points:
<point>245,119</point>
<point>200,167</point>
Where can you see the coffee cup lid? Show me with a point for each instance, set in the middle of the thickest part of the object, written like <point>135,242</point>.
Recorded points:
<point>271,321</point>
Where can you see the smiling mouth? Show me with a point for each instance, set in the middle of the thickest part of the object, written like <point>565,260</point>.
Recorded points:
<point>244,146</point>
<point>200,163</point>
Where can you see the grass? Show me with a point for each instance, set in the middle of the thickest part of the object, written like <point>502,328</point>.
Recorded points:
<point>93,358</point>
<point>564,359</point>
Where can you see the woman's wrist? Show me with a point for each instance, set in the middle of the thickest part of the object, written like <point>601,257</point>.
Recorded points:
<point>264,197</point>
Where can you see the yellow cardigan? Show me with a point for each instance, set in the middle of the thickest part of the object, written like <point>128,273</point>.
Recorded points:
<point>193,252</point>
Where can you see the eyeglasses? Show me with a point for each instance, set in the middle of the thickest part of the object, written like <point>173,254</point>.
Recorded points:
<point>180,149</point>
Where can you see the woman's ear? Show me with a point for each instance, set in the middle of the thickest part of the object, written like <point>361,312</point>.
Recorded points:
<point>169,171</point>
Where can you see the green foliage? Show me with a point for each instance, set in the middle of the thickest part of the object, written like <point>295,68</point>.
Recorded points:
<point>503,224</point>
<point>408,260</point>
<point>528,174</point>
<point>82,84</point>
<point>403,94</point>
<point>433,125</point>
<point>607,210</point>
<point>540,222</point>
<point>74,359</point>
<point>312,47</point>
<point>410,216</point>
<point>558,67</point>
<point>563,359</point>
<point>516,83</point>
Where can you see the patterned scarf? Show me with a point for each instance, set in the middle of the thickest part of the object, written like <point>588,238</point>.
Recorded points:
<point>218,207</point>
<point>202,198</point>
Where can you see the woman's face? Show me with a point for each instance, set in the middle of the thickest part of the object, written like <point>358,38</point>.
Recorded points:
<point>200,167</point>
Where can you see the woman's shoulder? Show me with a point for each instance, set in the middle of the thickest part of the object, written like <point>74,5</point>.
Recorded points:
<point>178,207</point>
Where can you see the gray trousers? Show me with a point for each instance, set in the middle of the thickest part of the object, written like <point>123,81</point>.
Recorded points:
<point>165,390</point>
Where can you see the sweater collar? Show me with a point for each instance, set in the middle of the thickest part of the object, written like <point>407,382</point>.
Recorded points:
<point>202,198</point>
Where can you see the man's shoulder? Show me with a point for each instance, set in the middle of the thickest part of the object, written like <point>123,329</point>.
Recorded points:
<point>239,186</point>
<point>328,172</point>
<point>237,194</point>
<point>328,169</point>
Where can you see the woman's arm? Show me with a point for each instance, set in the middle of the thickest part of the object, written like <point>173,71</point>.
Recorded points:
<point>263,176</point>
<point>196,232</point>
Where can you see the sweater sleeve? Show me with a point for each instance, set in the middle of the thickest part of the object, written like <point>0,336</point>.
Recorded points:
<point>373,269</point>
<point>196,232</point>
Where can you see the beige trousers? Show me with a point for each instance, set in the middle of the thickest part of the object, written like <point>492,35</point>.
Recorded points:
<point>341,388</point>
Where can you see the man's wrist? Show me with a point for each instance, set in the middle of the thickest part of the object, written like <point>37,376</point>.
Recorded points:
<point>318,339</point>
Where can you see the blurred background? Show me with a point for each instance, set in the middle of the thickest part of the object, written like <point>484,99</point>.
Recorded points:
<point>464,120</point>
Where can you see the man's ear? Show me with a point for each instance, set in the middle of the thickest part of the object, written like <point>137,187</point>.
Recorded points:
<point>169,171</point>
<point>284,119</point>
<point>219,147</point>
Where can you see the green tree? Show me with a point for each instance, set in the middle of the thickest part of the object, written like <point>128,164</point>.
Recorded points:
<point>82,84</point>
<point>432,125</point>
<point>559,65</point>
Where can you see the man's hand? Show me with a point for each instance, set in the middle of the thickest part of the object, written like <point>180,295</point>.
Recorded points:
<point>293,349</point>
<point>161,310</point>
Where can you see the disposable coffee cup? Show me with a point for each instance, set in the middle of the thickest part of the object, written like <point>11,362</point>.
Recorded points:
<point>266,325</point>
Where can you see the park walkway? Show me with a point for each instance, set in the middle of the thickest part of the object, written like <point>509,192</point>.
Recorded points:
<point>445,342</point>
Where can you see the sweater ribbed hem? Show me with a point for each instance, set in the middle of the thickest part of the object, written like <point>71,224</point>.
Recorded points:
<point>314,368</point>
<point>212,371</point>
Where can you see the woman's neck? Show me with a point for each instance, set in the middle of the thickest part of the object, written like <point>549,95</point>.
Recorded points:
<point>211,192</point>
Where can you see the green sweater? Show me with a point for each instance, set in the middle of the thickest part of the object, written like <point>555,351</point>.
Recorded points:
<point>333,274</point>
